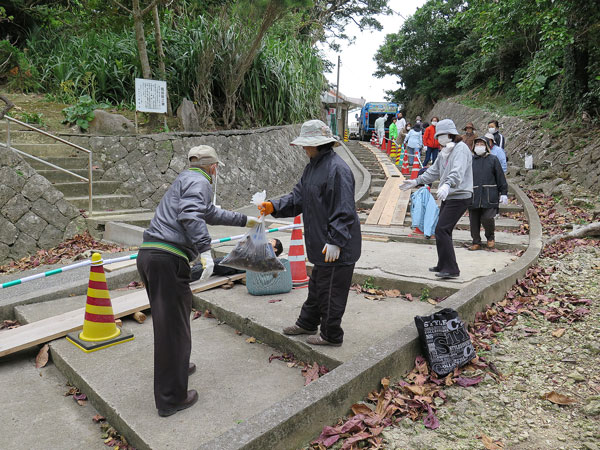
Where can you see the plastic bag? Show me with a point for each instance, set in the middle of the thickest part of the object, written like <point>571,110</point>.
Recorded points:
<point>528,162</point>
<point>445,341</point>
<point>253,252</point>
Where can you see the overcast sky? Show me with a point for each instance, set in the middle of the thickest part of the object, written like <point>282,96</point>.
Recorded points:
<point>358,66</point>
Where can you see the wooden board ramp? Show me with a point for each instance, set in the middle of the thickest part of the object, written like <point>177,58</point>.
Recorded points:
<point>45,330</point>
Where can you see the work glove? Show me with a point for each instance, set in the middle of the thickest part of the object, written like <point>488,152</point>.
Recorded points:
<point>207,264</point>
<point>252,221</point>
<point>331,252</point>
<point>408,184</point>
<point>442,192</point>
<point>504,199</point>
<point>266,208</point>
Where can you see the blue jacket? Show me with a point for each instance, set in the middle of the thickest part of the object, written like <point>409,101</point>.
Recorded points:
<point>498,152</point>
<point>414,139</point>
<point>424,211</point>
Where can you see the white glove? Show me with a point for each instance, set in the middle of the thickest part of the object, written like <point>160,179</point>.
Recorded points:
<point>408,184</point>
<point>331,252</point>
<point>251,221</point>
<point>207,264</point>
<point>504,199</point>
<point>442,192</point>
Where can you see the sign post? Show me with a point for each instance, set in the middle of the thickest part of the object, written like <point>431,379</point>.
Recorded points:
<point>151,97</point>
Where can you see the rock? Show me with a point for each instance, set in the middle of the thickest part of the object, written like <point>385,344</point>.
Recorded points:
<point>105,123</point>
<point>8,232</point>
<point>6,193</point>
<point>31,224</point>
<point>188,117</point>
<point>592,408</point>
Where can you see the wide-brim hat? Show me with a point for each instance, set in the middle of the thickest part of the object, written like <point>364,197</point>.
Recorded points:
<point>314,133</point>
<point>445,126</point>
<point>206,155</point>
<point>469,125</point>
<point>485,141</point>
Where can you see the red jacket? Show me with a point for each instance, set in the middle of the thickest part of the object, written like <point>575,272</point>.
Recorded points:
<point>429,139</point>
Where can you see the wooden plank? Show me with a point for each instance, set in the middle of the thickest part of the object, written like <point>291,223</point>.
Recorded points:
<point>388,211</point>
<point>375,213</point>
<point>375,238</point>
<point>55,327</point>
<point>401,207</point>
<point>119,265</point>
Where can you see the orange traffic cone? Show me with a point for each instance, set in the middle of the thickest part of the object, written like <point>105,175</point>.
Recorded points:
<point>99,327</point>
<point>405,169</point>
<point>415,168</point>
<point>389,147</point>
<point>296,257</point>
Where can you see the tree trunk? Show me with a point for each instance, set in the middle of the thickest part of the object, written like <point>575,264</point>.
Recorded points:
<point>140,38</point>
<point>161,54</point>
<point>593,229</point>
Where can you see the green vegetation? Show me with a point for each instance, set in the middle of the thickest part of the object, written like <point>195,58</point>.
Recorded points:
<point>82,113</point>
<point>537,55</point>
<point>242,62</point>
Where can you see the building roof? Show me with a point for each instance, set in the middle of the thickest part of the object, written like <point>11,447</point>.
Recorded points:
<point>328,98</point>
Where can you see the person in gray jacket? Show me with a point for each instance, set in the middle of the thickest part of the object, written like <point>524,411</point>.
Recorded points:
<point>325,197</point>
<point>454,170</point>
<point>177,234</point>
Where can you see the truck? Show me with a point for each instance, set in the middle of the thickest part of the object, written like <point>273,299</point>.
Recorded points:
<point>371,112</point>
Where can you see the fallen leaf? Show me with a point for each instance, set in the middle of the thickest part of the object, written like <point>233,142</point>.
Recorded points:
<point>465,382</point>
<point>98,418</point>
<point>557,398</point>
<point>431,421</point>
<point>196,315</point>
<point>208,314</point>
<point>392,293</point>
<point>489,444</point>
<point>432,301</point>
<point>251,340</point>
<point>42,357</point>
<point>238,332</point>
<point>409,297</point>
<point>274,300</point>
<point>310,373</point>
<point>559,332</point>
<point>361,408</point>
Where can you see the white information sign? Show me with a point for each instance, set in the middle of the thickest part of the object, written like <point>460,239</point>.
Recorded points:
<point>150,96</point>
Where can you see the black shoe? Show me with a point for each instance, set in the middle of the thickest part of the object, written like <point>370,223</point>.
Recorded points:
<point>192,397</point>
<point>434,269</point>
<point>191,369</point>
<point>447,275</point>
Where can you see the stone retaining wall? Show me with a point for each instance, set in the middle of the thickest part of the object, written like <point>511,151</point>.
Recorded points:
<point>33,214</point>
<point>253,160</point>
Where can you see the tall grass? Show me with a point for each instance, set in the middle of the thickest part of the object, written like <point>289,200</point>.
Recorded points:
<point>282,86</point>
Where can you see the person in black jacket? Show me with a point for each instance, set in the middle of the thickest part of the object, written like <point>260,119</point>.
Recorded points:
<point>325,197</point>
<point>489,190</point>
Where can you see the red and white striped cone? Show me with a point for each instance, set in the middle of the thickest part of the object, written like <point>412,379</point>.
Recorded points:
<point>405,169</point>
<point>374,139</point>
<point>296,257</point>
<point>415,168</point>
<point>389,147</point>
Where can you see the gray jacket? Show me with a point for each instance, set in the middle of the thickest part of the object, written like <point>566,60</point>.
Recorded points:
<point>325,197</point>
<point>455,170</point>
<point>183,213</point>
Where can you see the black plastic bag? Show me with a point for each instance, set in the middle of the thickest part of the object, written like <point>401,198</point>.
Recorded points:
<point>445,341</point>
<point>253,252</point>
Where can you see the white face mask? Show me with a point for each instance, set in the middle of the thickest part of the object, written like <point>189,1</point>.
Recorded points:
<point>447,149</point>
<point>434,123</point>
<point>407,128</point>
<point>444,139</point>
<point>479,149</point>
<point>492,130</point>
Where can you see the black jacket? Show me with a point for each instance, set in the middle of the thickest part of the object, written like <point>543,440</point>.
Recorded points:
<point>489,182</point>
<point>325,196</point>
<point>499,139</point>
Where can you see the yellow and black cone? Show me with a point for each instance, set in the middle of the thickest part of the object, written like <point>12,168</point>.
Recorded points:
<point>99,327</point>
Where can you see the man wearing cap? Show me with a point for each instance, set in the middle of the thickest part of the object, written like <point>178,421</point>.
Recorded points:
<point>325,197</point>
<point>177,234</point>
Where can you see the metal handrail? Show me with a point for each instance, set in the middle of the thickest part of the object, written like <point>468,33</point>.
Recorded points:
<point>56,138</point>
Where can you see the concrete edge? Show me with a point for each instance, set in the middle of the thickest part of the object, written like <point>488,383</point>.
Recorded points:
<point>364,189</point>
<point>296,420</point>
<point>123,233</point>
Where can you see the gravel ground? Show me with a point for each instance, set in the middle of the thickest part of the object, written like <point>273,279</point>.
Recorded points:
<point>512,414</point>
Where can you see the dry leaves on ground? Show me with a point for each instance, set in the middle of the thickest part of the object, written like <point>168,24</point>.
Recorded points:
<point>310,372</point>
<point>557,398</point>
<point>42,357</point>
<point>9,324</point>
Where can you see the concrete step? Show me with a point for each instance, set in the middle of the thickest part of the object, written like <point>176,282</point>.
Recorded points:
<point>72,162</point>
<point>378,181</point>
<point>105,202</point>
<point>139,217</point>
<point>56,176</point>
<point>367,203</point>
<point>48,150</point>
<point>375,190</point>
<point>463,224</point>
<point>76,189</point>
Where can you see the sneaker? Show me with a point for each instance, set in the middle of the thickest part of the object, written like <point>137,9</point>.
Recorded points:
<point>434,269</point>
<point>318,340</point>
<point>445,275</point>
<point>474,247</point>
<point>491,244</point>
<point>192,398</point>
<point>191,369</point>
<point>295,330</point>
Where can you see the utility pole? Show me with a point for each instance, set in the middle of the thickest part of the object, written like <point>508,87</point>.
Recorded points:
<point>337,93</point>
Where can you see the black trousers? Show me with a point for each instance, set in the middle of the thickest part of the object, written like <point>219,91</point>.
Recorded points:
<point>450,213</point>
<point>485,217</point>
<point>327,296</point>
<point>167,280</point>
<point>431,155</point>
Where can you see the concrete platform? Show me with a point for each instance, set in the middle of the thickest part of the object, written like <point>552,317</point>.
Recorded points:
<point>119,381</point>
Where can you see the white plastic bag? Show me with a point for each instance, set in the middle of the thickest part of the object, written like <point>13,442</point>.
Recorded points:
<point>529,162</point>
<point>253,252</point>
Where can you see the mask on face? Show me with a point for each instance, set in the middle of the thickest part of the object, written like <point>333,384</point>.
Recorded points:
<point>479,150</point>
<point>434,123</point>
<point>492,130</point>
<point>447,149</point>
<point>407,128</point>
<point>444,139</point>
